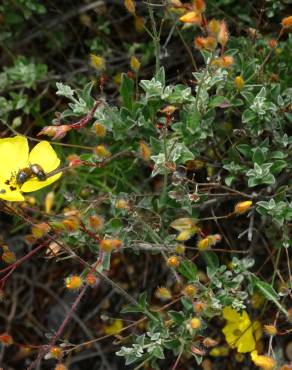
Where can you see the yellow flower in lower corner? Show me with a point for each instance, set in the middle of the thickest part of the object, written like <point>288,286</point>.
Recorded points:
<point>239,330</point>
<point>15,158</point>
<point>263,362</point>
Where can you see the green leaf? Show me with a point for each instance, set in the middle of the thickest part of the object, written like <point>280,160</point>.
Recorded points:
<point>212,261</point>
<point>278,166</point>
<point>172,344</point>
<point>158,352</point>
<point>248,115</point>
<point>177,317</point>
<point>268,292</point>
<point>188,269</point>
<point>258,156</point>
<point>160,76</point>
<point>219,101</point>
<point>127,91</point>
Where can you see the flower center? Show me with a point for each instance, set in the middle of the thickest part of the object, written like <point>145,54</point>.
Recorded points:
<point>12,183</point>
<point>237,332</point>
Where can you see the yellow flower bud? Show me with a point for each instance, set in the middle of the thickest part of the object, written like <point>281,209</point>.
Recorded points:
<point>195,323</point>
<point>191,17</point>
<point>121,204</point>
<point>102,152</point>
<point>99,129</point>
<point>242,207</point>
<point>139,24</point>
<point>270,329</point>
<point>56,352</point>
<point>239,83</point>
<point>73,282</point>
<point>8,257</point>
<point>214,26</point>
<point>130,6</point>
<point>180,249</point>
<point>203,244</point>
<point>135,64</point>
<point>49,201</point>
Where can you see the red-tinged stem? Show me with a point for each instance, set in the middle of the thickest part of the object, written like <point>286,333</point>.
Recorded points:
<point>86,119</point>
<point>65,322</point>
<point>20,261</point>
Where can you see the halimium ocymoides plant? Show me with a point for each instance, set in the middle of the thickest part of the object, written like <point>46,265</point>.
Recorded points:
<point>155,222</point>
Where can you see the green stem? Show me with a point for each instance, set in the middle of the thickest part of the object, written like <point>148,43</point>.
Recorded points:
<point>155,37</point>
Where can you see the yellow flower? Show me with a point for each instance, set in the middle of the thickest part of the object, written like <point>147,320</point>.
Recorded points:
<point>238,330</point>
<point>263,362</point>
<point>15,156</point>
<point>114,328</point>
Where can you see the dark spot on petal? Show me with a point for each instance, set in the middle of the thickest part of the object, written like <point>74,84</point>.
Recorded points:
<point>7,182</point>
<point>12,188</point>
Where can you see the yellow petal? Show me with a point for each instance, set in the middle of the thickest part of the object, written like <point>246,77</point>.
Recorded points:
<point>7,194</point>
<point>44,155</point>
<point>14,155</point>
<point>246,342</point>
<point>34,184</point>
<point>230,314</point>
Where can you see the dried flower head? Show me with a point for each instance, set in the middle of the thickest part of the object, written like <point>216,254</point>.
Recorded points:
<point>190,290</point>
<point>172,261</point>
<point>163,293</point>
<point>223,35</point>
<point>107,245</point>
<point>145,151</point>
<point>95,222</point>
<point>205,43</point>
